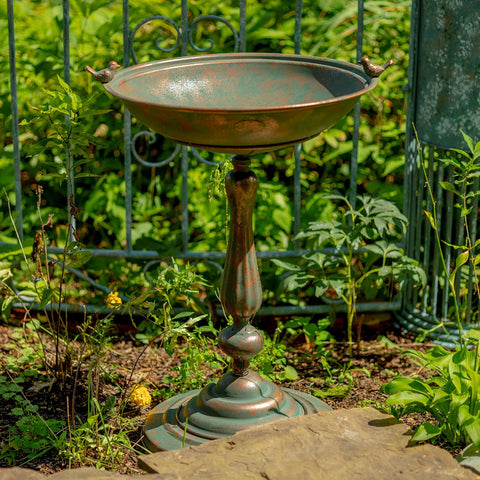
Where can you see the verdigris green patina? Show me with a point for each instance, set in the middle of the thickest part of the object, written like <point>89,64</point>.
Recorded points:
<point>242,104</point>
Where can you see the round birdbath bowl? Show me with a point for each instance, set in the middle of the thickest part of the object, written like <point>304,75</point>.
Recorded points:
<point>240,103</point>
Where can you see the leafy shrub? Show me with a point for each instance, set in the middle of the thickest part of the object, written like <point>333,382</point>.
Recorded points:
<point>354,255</point>
<point>450,393</point>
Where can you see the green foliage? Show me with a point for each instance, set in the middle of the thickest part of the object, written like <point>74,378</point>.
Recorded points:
<point>271,362</point>
<point>465,167</point>
<point>450,393</point>
<point>102,440</point>
<point>193,344</point>
<point>316,333</point>
<point>329,29</point>
<point>339,379</point>
<point>30,435</point>
<point>66,138</point>
<point>449,387</point>
<point>354,255</point>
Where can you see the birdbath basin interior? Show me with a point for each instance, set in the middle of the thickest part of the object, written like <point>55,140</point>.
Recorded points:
<point>240,103</point>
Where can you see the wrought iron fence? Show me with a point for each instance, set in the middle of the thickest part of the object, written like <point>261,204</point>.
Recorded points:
<point>444,98</point>
<point>183,43</point>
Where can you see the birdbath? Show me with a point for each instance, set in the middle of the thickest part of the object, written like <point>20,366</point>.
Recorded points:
<point>242,104</point>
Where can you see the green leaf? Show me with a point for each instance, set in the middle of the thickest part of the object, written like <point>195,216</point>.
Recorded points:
<point>290,373</point>
<point>335,391</point>
<point>457,370</point>
<point>7,302</point>
<point>296,280</point>
<point>287,266</point>
<point>461,259</point>
<point>338,286</point>
<point>473,430</point>
<point>450,188</point>
<point>427,431</point>
<point>431,219</point>
<point>78,259</point>
<point>385,271</point>
<point>47,295</point>
<point>406,398</point>
<point>182,315</point>
<point>320,288</point>
<point>468,141</point>
<point>473,334</point>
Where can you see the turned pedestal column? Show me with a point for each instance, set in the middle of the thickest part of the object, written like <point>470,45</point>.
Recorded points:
<point>241,398</point>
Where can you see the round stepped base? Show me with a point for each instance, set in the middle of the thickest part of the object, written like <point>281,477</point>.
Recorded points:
<point>223,408</point>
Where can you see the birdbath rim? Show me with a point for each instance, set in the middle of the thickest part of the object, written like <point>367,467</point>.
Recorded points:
<point>117,86</point>
<point>240,103</point>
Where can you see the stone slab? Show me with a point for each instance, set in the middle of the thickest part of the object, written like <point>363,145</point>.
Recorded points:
<point>87,473</point>
<point>356,444</point>
<point>84,473</point>
<point>18,473</point>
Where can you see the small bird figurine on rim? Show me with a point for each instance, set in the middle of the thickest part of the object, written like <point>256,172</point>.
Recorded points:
<point>105,75</point>
<point>373,70</point>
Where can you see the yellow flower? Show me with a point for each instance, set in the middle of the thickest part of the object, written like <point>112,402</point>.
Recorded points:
<point>113,301</point>
<point>140,396</point>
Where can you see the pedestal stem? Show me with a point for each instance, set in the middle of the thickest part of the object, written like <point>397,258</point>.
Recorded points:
<point>239,399</point>
<point>241,291</point>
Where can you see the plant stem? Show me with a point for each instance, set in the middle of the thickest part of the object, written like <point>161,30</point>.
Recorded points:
<point>434,223</point>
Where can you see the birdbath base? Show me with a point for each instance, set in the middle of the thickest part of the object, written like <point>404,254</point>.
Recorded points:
<point>221,409</point>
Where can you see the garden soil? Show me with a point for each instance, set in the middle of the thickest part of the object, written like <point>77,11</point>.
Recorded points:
<point>356,379</point>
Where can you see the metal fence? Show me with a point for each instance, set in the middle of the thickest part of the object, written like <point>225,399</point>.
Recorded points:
<point>183,45</point>
<point>444,98</point>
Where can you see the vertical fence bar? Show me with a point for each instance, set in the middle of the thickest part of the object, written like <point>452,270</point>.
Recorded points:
<point>460,224</point>
<point>418,220</point>
<point>127,126</point>
<point>437,268</point>
<point>298,26</point>
<point>66,41</point>
<point>427,229</point>
<point>185,221</point>
<point>412,165</point>
<point>184,27</point>
<point>69,159</point>
<point>448,241</point>
<point>356,112</point>
<point>184,163</point>
<point>243,25</point>
<point>297,191</point>
<point>297,194</point>
<point>472,225</point>
<point>15,128</point>
<point>411,149</point>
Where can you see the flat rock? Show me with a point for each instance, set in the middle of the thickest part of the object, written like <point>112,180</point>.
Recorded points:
<point>85,473</point>
<point>17,473</point>
<point>354,444</point>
